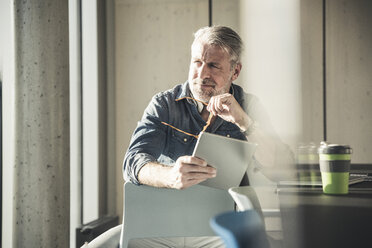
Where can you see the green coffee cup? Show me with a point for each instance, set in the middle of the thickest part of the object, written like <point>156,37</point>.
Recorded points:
<point>334,162</point>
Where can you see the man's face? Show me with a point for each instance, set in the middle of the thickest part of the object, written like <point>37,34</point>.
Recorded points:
<point>210,72</point>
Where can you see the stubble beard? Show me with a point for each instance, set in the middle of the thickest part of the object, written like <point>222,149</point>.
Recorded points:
<point>206,94</point>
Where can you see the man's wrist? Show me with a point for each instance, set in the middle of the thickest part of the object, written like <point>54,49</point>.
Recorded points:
<point>249,126</point>
<point>154,174</point>
<point>244,123</point>
<point>251,129</point>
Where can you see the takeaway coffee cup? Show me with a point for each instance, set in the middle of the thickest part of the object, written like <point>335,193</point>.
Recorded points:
<point>334,162</point>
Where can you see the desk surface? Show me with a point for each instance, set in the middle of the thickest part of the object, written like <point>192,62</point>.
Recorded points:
<point>313,219</point>
<point>310,218</point>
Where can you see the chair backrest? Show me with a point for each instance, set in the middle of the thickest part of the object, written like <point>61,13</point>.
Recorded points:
<point>158,212</point>
<point>245,198</point>
<point>241,229</point>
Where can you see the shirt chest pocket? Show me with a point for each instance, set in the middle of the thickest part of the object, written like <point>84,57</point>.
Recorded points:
<point>180,144</point>
<point>236,134</point>
<point>231,131</point>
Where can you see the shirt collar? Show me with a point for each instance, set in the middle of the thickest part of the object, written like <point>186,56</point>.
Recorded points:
<point>186,92</point>
<point>200,106</point>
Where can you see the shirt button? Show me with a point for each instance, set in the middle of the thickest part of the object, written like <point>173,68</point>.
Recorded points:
<point>228,136</point>
<point>185,139</point>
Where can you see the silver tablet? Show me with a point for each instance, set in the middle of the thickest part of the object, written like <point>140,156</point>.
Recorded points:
<point>229,156</point>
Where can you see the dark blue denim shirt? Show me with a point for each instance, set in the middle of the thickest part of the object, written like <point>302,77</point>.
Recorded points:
<point>153,141</point>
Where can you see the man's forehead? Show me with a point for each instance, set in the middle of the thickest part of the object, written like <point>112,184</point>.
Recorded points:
<point>199,49</point>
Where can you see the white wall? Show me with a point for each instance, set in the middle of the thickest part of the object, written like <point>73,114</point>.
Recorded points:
<point>75,120</point>
<point>8,121</point>
<point>5,29</point>
<point>272,70</point>
<point>90,104</point>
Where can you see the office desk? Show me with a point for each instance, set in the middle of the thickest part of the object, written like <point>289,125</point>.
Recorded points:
<point>313,219</point>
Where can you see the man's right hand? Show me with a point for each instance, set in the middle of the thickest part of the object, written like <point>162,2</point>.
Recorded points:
<point>186,172</point>
<point>189,171</point>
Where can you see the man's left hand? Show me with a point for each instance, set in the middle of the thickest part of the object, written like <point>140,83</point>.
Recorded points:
<point>226,107</point>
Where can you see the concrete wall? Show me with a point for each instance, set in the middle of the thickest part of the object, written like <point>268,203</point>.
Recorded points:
<point>349,75</point>
<point>152,45</point>
<point>42,125</point>
<point>347,70</point>
<point>311,23</point>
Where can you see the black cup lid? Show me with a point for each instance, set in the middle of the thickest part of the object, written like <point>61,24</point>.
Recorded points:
<point>326,148</point>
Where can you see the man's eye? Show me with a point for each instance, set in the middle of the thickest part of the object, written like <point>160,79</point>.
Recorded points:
<point>214,66</point>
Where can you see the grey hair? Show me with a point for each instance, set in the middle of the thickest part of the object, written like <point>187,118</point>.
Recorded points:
<point>224,37</point>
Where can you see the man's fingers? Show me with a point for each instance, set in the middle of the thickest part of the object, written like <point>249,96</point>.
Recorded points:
<point>192,160</point>
<point>211,106</point>
<point>189,164</point>
<point>200,169</point>
<point>192,178</point>
<point>219,104</point>
<point>202,175</point>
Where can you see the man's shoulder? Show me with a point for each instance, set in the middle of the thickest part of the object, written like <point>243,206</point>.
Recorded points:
<point>170,94</point>
<point>243,96</point>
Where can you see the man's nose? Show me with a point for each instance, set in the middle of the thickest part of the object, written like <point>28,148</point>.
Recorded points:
<point>204,71</point>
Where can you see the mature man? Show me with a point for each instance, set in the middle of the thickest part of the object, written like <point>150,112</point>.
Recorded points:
<point>161,146</point>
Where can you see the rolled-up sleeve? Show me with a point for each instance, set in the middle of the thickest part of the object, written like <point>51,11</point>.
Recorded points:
<point>148,139</point>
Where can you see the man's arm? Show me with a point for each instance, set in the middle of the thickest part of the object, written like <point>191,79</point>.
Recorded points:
<point>148,141</point>
<point>186,172</point>
<point>226,107</point>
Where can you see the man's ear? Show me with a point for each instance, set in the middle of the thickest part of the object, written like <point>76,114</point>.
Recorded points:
<point>236,71</point>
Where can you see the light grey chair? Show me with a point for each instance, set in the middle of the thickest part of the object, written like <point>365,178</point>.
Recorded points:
<point>246,198</point>
<point>158,212</point>
<point>108,239</point>
<point>264,200</point>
